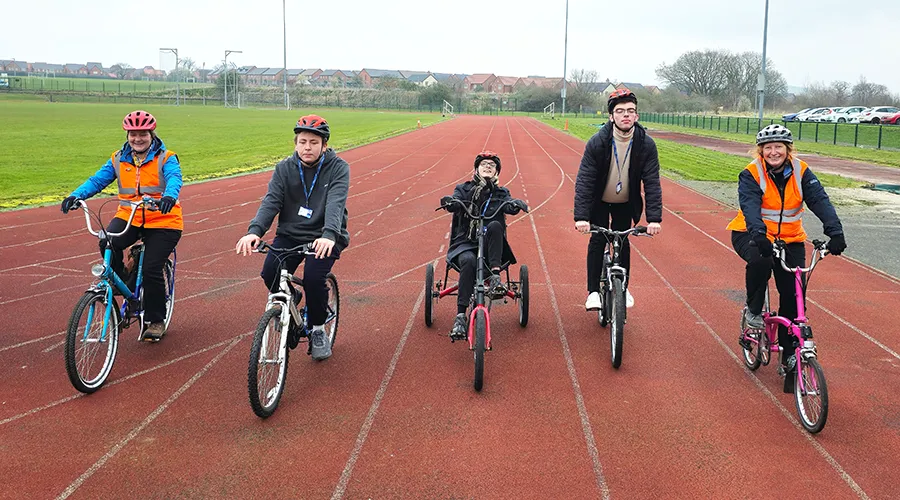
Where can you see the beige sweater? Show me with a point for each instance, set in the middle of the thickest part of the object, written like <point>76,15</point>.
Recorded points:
<point>619,173</point>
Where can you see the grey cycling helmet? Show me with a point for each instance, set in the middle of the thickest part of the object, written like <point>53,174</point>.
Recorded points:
<point>774,133</point>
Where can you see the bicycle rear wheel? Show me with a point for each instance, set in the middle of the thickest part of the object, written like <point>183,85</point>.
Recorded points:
<point>523,298</point>
<point>812,399</point>
<point>429,294</point>
<point>480,335</point>
<point>616,320</point>
<point>753,355</point>
<point>334,308</point>
<point>267,370</point>
<point>91,351</point>
<point>169,282</point>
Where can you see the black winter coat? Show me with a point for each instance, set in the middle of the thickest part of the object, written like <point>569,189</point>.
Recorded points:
<point>594,172</point>
<point>459,228</point>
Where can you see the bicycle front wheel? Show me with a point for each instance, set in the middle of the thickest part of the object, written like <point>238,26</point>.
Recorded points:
<point>812,398</point>
<point>480,339</point>
<point>753,355</point>
<point>268,364</point>
<point>169,283</point>
<point>91,341</point>
<point>334,308</point>
<point>616,321</point>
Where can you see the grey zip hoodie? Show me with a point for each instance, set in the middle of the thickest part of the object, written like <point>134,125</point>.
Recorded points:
<point>328,202</point>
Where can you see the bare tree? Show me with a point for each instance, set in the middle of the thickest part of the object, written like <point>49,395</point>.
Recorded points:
<point>696,72</point>
<point>121,69</point>
<point>840,92</point>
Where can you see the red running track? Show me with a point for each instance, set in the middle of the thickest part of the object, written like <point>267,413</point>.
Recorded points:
<point>393,412</point>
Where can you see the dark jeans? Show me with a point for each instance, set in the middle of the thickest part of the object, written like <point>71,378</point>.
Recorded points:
<point>468,260</point>
<point>620,213</point>
<point>758,271</point>
<point>158,244</point>
<point>314,272</point>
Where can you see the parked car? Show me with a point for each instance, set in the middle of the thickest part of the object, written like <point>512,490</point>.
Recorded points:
<point>844,115</point>
<point>877,114</point>
<point>893,120</point>
<point>792,116</point>
<point>815,115</point>
<point>804,116</point>
<point>823,114</point>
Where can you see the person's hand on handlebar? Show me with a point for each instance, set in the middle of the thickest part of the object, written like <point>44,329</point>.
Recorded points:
<point>322,247</point>
<point>583,226</point>
<point>653,228</point>
<point>69,203</point>
<point>515,206</point>
<point>247,244</point>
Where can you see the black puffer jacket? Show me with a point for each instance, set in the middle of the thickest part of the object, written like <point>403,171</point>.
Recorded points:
<point>594,172</point>
<point>459,228</point>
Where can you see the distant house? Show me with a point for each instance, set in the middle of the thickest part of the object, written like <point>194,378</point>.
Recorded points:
<point>550,83</point>
<point>423,79</point>
<point>335,77</point>
<point>75,69</point>
<point>15,65</point>
<point>95,69</point>
<point>370,76</point>
<point>479,82</point>
<point>504,84</point>
<point>46,69</point>
<point>523,83</point>
<point>273,76</point>
<point>203,75</point>
<point>150,73</point>
<point>630,86</point>
<point>598,87</point>
<point>406,74</point>
<point>308,75</point>
<point>653,89</point>
<point>293,75</point>
<point>253,76</point>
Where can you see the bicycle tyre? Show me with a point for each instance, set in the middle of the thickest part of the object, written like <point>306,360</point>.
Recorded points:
<point>523,299</point>
<point>429,294</point>
<point>334,308</point>
<point>752,359</point>
<point>169,282</point>
<point>79,355</point>
<point>616,321</point>
<point>480,339</point>
<point>812,409</point>
<point>259,382</point>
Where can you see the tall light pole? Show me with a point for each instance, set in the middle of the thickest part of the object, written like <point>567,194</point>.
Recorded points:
<point>762,75</point>
<point>226,72</point>
<point>175,51</point>
<point>287,103</point>
<point>565,51</point>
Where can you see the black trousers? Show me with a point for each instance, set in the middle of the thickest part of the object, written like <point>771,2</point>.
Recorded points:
<point>468,260</point>
<point>314,273</point>
<point>758,271</point>
<point>621,216</point>
<point>158,244</point>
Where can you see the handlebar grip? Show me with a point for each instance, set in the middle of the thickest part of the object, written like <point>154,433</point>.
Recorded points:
<point>818,243</point>
<point>640,229</point>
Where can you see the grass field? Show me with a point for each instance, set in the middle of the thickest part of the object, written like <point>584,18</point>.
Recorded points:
<point>681,161</point>
<point>868,135</point>
<point>94,84</point>
<point>50,149</point>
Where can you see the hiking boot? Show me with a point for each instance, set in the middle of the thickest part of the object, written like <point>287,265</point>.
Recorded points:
<point>593,302</point>
<point>154,332</point>
<point>320,348</point>
<point>753,320</point>
<point>460,328</point>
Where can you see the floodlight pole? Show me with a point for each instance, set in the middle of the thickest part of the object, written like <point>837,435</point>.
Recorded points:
<point>226,72</point>
<point>565,51</point>
<point>284,21</point>
<point>175,51</point>
<point>762,75</point>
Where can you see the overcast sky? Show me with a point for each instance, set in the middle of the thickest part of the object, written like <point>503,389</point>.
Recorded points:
<point>808,40</point>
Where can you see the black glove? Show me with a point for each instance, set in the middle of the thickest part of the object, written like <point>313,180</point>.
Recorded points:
<point>515,206</point>
<point>166,204</point>
<point>68,204</point>
<point>446,200</point>
<point>763,244</point>
<point>837,245</point>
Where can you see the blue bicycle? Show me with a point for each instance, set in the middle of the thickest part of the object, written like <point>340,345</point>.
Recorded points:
<point>92,336</point>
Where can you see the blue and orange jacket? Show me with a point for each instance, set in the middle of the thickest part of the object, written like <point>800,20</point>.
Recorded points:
<point>158,176</point>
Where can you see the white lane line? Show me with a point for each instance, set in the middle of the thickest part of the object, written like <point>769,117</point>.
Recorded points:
<point>54,346</point>
<point>225,212</point>
<point>370,222</point>
<point>784,411</point>
<point>143,425</point>
<point>341,486</point>
<point>46,279</point>
<point>32,341</point>
<point>213,260</point>
<point>586,427</point>
<point>201,220</point>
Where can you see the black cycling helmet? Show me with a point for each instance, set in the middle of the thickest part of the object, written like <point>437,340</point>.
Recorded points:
<point>618,96</point>
<point>315,124</point>
<point>488,155</point>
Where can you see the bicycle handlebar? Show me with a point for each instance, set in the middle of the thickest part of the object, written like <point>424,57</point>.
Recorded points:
<point>134,206</point>
<point>469,205</point>
<point>819,253</point>
<point>264,247</point>
<point>636,230</point>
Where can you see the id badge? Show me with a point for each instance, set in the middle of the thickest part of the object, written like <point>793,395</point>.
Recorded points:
<point>305,212</point>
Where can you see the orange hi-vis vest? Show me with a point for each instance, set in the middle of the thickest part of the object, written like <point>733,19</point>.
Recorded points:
<point>147,179</point>
<point>783,218</point>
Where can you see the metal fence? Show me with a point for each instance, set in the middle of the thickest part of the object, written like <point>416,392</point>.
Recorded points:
<point>844,134</point>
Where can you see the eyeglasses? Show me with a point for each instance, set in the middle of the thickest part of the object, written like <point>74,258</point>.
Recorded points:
<point>487,163</point>
<point>626,111</point>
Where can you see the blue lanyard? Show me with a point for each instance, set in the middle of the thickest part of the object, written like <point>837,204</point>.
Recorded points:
<point>616,153</point>
<point>486,204</point>
<point>315,177</point>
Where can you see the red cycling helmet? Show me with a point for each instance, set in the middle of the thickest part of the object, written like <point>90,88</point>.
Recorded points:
<point>315,124</point>
<point>488,155</point>
<point>618,96</point>
<point>139,120</point>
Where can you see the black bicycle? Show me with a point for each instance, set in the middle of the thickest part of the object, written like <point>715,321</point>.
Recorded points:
<point>613,282</point>
<point>479,331</point>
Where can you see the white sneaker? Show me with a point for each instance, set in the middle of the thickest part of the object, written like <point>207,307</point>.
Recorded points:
<point>320,347</point>
<point>629,299</point>
<point>593,302</point>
